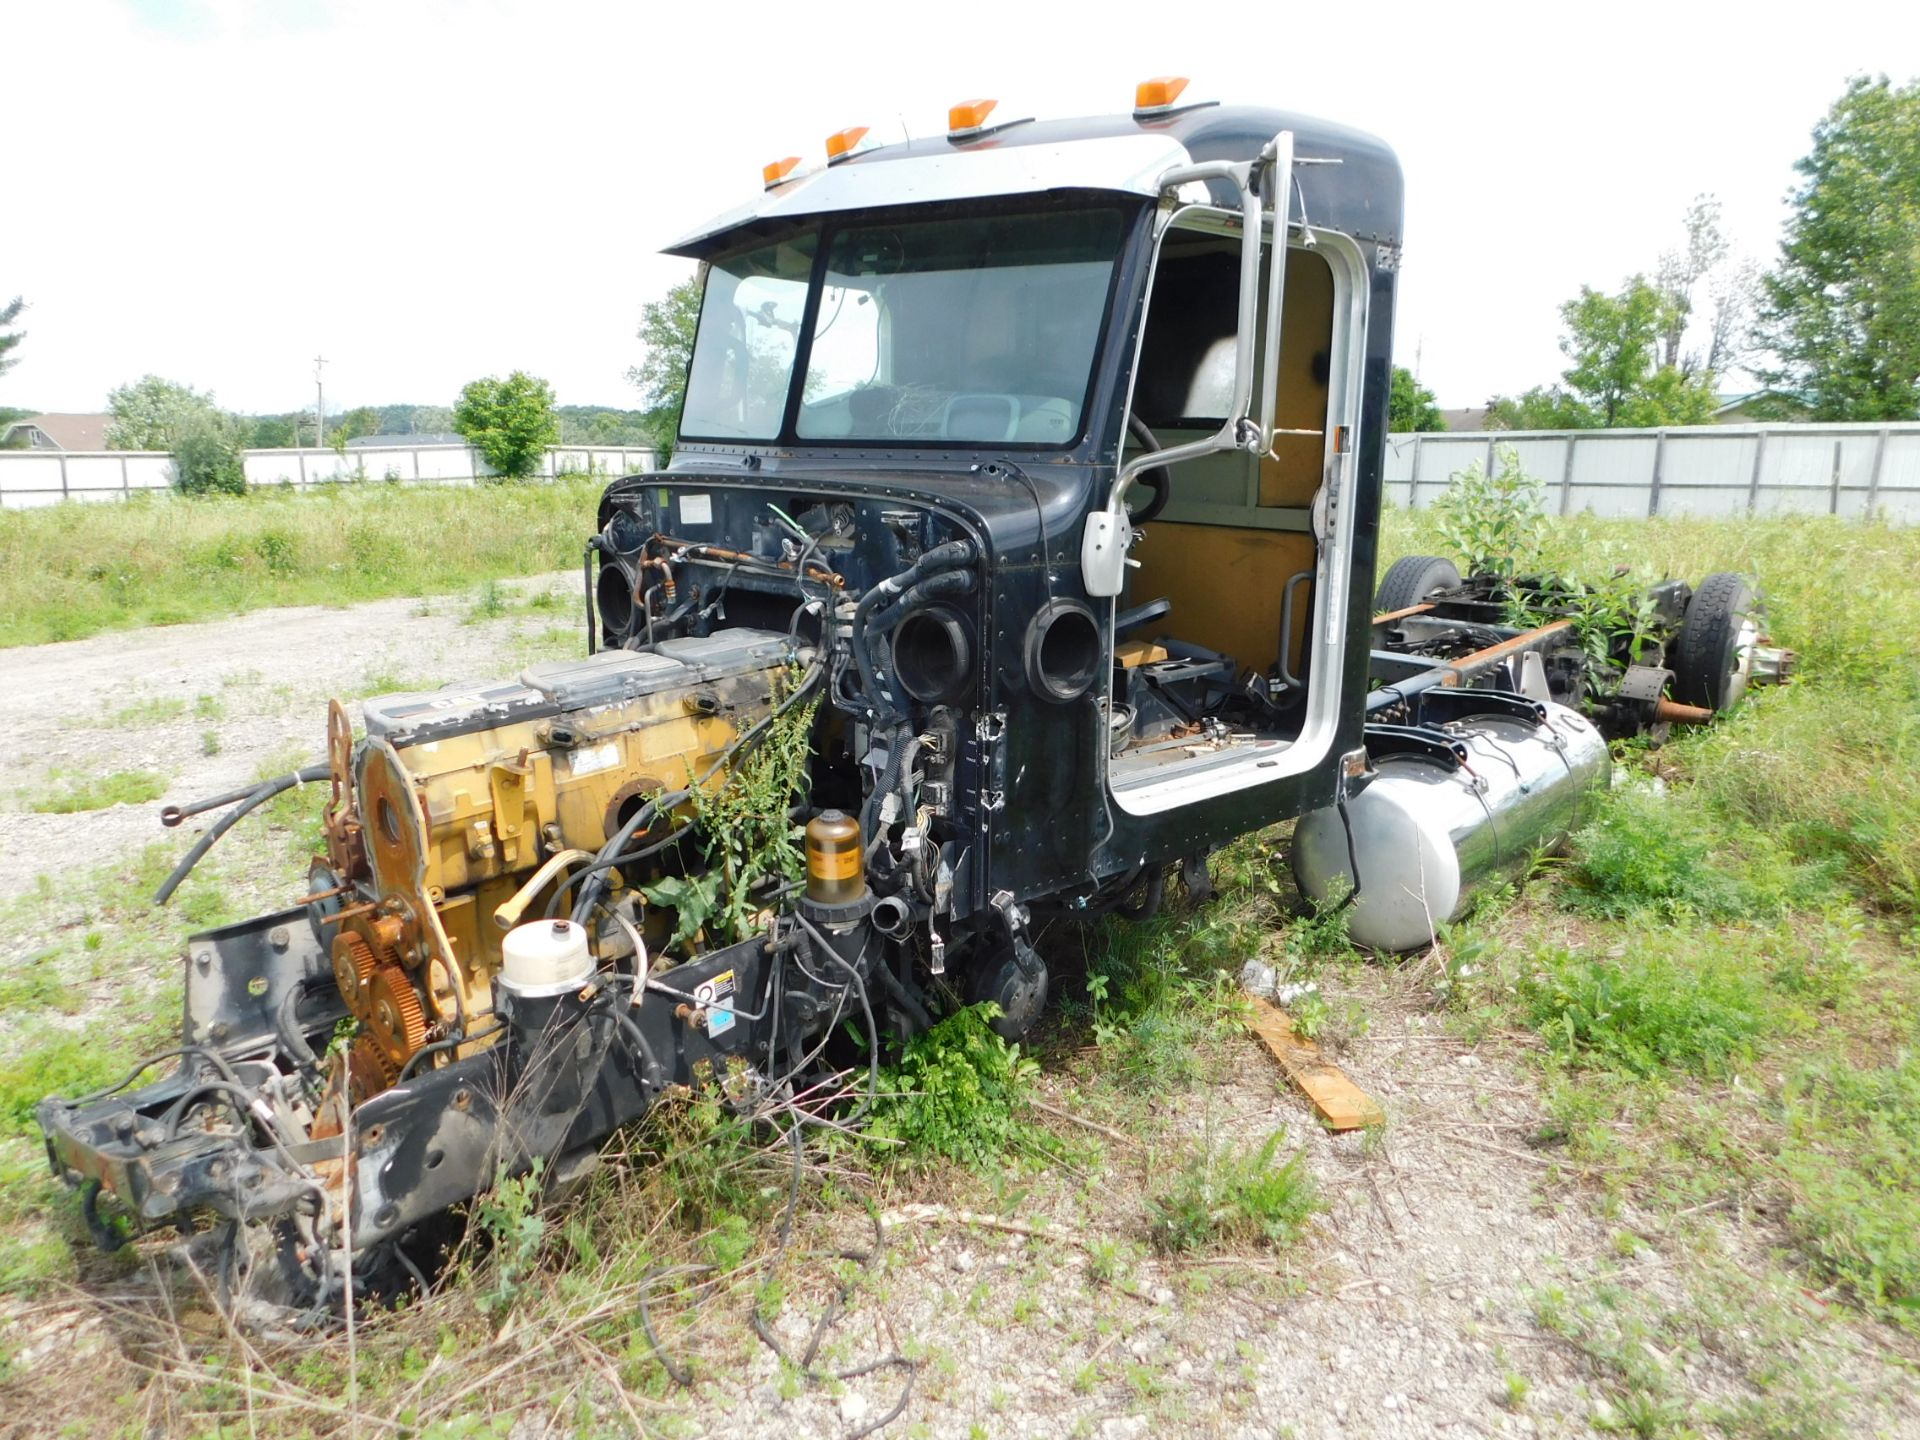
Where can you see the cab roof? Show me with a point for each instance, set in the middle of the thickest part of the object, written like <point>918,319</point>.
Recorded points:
<point>1358,194</point>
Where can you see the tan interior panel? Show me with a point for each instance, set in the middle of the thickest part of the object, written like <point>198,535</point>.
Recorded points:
<point>1225,584</point>
<point>1305,342</point>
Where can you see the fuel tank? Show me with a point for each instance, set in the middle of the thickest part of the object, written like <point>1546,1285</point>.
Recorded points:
<point>1426,834</point>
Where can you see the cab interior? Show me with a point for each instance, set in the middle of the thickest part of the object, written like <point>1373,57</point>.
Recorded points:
<point>1211,658</point>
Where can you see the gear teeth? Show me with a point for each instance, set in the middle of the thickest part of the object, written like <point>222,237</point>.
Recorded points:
<point>393,1015</point>
<point>353,966</point>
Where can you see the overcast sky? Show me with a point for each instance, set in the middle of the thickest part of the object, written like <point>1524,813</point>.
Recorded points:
<point>425,191</point>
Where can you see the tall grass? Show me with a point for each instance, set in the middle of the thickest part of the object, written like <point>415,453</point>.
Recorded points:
<point>69,571</point>
<point>1734,948</point>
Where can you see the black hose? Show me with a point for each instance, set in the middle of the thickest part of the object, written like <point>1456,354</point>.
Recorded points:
<point>586,586</point>
<point>942,557</point>
<point>286,1021</point>
<point>898,993</point>
<point>255,799</point>
<point>609,854</point>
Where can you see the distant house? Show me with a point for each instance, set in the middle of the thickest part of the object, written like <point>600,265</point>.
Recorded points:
<point>58,432</point>
<point>1759,405</point>
<point>1472,418</point>
<point>404,442</point>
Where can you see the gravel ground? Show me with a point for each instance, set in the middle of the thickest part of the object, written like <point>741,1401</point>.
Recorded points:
<point>1404,1314</point>
<point>259,682</point>
<point>1411,1310</point>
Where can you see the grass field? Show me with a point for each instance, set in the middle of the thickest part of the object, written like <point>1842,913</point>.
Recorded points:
<point>1716,991</point>
<point>69,571</point>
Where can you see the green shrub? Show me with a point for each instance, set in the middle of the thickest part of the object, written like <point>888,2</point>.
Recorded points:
<point>1661,854</point>
<point>207,457</point>
<point>1852,1157</point>
<point>1659,1006</point>
<point>510,422</point>
<point>1218,1197</point>
<point>956,1093</point>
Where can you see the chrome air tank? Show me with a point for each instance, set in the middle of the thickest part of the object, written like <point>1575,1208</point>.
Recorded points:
<point>1426,833</point>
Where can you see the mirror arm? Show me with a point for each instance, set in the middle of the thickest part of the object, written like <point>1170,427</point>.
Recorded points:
<point>1279,152</point>
<point>1232,435</point>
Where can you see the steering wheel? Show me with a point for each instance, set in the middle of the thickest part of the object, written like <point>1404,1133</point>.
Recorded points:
<point>1156,479</point>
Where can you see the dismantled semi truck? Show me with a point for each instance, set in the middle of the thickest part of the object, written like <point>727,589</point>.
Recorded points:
<point>1017,552</point>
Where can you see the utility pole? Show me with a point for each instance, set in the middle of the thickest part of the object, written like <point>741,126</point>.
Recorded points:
<point>319,404</point>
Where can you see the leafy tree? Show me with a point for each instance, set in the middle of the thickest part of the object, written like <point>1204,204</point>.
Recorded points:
<point>354,425</point>
<point>272,432</point>
<point>1681,273</point>
<point>1544,407</point>
<point>510,422</point>
<point>10,338</point>
<point>1410,405</point>
<point>667,327</point>
<point>151,413</point>
<point>1841,311</point>
<point>206,454</point>
<point>430,420</point>
<point>1616,376</point>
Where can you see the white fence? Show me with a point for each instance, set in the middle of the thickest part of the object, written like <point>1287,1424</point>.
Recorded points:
<point>46,477</point>
<point>1851,470</point>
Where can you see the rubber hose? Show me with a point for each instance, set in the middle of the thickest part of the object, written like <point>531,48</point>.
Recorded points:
<point>226,822</point>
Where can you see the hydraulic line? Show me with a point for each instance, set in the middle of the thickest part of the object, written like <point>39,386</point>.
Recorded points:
<point>254,800</point>
<point>610,853</point>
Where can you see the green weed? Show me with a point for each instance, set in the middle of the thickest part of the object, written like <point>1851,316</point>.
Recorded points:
<point>956,1093</point>
<point>1661,1004</point>
<point>99,792</point>
<point>509,1216</point>
<point>1217,1197</point>
<point>1851,1159</point>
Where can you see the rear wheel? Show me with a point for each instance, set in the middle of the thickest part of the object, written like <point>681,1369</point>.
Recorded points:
<point>1411,579</point>
<point>1712,658</point>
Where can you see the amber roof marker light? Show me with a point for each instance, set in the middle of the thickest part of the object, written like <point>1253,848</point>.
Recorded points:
<point>968,118</point>
<point>842,143</point>
<point>1158,95</point>
<point>778,172</point>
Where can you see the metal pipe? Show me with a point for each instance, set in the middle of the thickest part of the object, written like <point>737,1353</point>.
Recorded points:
<point>254,799</point>
<point>1280,151</point>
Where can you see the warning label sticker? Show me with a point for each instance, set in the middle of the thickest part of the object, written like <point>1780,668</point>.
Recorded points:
<point>715,996</point>
<point>696,509</point>
<point>591,759</point>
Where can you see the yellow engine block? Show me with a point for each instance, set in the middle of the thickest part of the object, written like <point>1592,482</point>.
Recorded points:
<point>454,797</point>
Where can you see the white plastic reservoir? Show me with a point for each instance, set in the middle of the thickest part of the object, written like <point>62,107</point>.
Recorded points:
<point>545,957</point>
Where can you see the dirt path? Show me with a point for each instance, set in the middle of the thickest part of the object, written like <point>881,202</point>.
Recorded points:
<point>1412,1310</point>
<point>251,690</point>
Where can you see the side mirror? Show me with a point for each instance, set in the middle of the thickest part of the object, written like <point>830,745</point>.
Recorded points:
<point>1103,550</point>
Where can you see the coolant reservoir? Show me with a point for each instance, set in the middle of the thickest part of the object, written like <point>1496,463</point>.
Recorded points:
<point>1425,836</point>
<point>545,957</point>
<point>836,861</point>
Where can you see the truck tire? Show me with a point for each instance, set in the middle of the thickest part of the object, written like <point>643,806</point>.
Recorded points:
<point>1712,657</point>
<point>1411,579</point>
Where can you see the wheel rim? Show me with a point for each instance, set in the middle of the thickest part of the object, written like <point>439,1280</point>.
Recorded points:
<point>1744,644</point>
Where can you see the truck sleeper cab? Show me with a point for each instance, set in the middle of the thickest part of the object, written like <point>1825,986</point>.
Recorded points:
<point>1063,311</point>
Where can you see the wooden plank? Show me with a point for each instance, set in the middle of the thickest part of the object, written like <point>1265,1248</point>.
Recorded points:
<point>1341,1104</point>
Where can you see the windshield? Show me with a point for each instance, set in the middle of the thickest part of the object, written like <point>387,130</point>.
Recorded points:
<point>974,330</point>
<point>743,352</point>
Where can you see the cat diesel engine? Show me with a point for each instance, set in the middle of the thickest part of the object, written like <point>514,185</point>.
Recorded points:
<point>1016,552</point>
<point>459,808</point>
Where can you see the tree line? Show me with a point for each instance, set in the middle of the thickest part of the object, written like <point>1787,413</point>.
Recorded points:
<point>1831,332</point>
